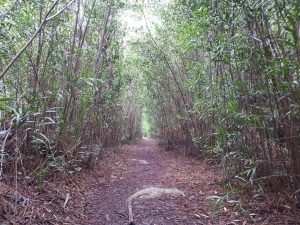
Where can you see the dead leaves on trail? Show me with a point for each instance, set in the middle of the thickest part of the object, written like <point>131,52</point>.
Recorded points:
<point>46,207</point>
<point>60,200</point>
<point>100,195</point>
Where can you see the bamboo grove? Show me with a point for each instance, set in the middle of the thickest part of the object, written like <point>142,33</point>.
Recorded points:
<point>222,79</point>
<point>219,79</point>
<point>65,100</point>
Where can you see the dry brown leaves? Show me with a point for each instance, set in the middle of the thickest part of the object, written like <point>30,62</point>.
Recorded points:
<point>64,197</point>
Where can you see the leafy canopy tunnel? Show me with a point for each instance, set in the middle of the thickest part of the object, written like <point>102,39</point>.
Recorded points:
<point>217,79</point>
<point>220,79</point>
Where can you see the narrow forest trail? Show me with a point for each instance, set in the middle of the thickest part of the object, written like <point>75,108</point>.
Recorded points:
<point>146,165</point>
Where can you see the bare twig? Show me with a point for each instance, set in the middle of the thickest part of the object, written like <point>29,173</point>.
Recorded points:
<point>66,200</point>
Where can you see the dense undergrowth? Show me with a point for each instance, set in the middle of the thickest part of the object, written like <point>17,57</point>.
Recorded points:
<point>222,79</point>
<point>217,78</point>
<point>65,98</point>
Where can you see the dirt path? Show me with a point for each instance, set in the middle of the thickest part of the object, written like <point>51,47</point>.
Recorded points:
<point>98,196</point>
<point>145,166</point>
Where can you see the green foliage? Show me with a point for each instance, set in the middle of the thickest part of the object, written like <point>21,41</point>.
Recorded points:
<point>65,98</point>
<point>222,80</point>
<point>225,77</point>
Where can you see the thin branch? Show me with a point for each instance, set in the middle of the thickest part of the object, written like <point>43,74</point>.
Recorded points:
<point>62,10</point>
<point>46,19</point>
<point>9,10</point>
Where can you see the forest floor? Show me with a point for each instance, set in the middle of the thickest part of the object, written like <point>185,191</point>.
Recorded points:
<point>147,165</point>
<point>99,197</point>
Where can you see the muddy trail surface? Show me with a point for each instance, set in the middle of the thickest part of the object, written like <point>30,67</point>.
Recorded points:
<point>135,167</point>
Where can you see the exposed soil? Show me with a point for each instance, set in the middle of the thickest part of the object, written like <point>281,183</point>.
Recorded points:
<point>98,197</point>
<point>107,204</point>
<point>145,165</point>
